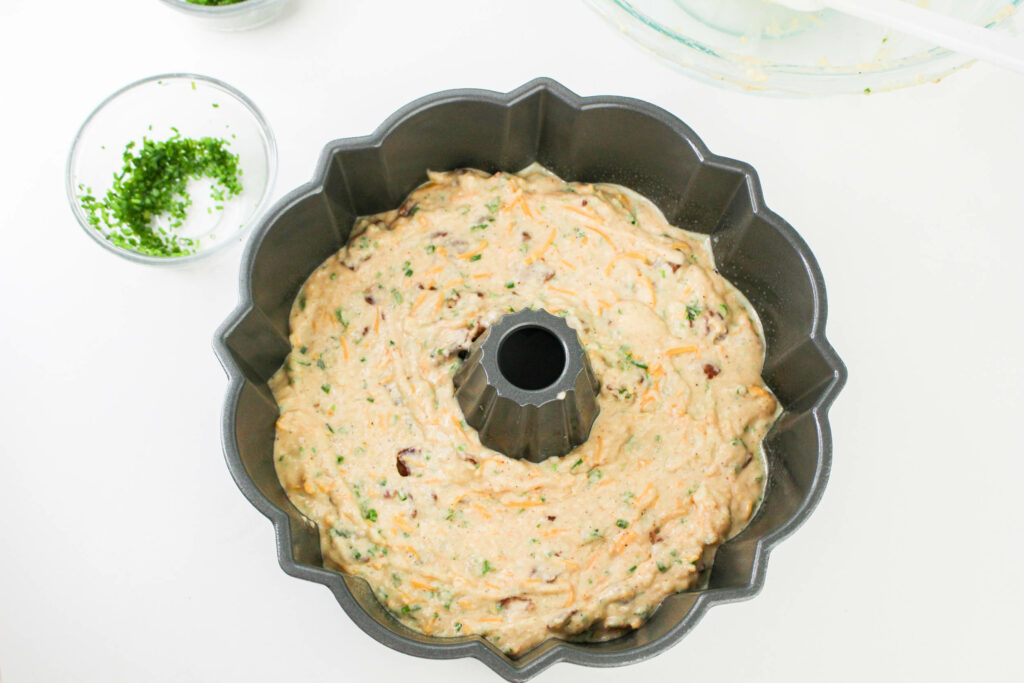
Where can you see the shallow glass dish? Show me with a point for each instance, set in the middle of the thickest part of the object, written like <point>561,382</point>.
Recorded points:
<point>236,17</point>
<point>157,108</point>
<point>759,46</point>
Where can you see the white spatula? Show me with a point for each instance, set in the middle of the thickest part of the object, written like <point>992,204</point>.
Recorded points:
<point>997,48</point>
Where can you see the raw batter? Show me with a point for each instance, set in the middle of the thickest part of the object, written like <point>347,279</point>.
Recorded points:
<point>457,539</point>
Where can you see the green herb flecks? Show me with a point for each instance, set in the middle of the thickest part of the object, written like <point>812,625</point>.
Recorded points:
<point>153,183</point>
<point>628,354</point>
<point>339,313</point>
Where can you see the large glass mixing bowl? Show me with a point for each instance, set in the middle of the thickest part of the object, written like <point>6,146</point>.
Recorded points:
<point>760,46</point>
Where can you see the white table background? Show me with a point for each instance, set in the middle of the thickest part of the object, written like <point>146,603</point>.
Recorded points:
<point>127,553</point>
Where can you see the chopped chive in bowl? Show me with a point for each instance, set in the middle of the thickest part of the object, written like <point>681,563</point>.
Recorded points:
<point>152,183</point>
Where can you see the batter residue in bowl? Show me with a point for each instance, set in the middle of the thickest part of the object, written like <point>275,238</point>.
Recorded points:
<point>457,539</point>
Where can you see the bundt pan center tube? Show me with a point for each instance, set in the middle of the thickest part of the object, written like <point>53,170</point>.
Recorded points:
<point>527,387</point>
<point>594,140</point>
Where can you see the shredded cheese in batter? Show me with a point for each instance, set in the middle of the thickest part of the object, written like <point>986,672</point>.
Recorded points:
<point>456,539</point>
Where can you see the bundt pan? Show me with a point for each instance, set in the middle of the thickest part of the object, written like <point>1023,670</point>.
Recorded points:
<point>593,139</point>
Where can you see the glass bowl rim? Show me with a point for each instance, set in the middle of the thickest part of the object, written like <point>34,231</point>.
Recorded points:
<point>215,10</point>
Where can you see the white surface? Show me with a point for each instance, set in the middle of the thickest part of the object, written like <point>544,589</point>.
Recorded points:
<point>126,552</point>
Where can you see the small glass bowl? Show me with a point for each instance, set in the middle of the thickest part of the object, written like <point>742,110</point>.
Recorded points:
<point>237,17</point>
<point>157,108</point>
